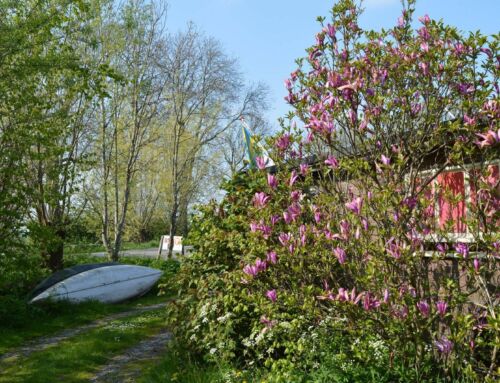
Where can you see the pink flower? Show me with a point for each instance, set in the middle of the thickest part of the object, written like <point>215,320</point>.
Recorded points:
<point>462,249</point>
<point>272,257</point>
<point>272,181</point>
<point>355,205</point>
<point>293,178</point>
<point>271,294</point>
<point>365,224</point>
<point>477,265</point>
<point>423,307</point>
<point>425,68</point>
<point>490,138</point>
<point>442,247</point>
<point>275,219</point>
<point>284,238</point>
<point>444,345</point>
<point>295,195</point>
<point>332,162</point>
<point>401,21</point>
<point>386,296</point>
<point>370,302</point>
<point>385,160</point>
<point>330,30</point>
<point>287,217</point>
<point>250,270</point>
<point>340,254</point>
<point>303,169</point>
<point>441,308</point>
<point>260,265</point>
<point>283,142</point>
<point>260,199</point>
<point>469,120</point>
<point>294,211</point>
<point>345,229</point>
<point>261,162</point>
<point>254,227</point>
<point>424,46</point>
<point>425,19</point>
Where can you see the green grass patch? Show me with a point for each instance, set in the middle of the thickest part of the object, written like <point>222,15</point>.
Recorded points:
<point>80,357</point>
<point>49,318</point>
<point>178,366</point>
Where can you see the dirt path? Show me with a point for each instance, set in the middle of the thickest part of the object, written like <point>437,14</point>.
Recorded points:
<point>126,367</point>
<point>48,341</point>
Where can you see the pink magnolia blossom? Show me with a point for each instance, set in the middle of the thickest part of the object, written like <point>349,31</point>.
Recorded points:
<point>345,228</point>
<point>469,121</point>
<point>489,138</point>
<point>284,238</point>
<point>272,257</point>
<point>260,265</point>
<point>441,308</point>
<point>442,247</point>
<point>424,46</point>
<point>355,205</point>
<point>462,249</point>
<point>272,295</point>
<point>302,234</point>
<point>250,270</point>
<point>287,217</point>
<point>275,219</point>
<point>293,178</point>
<point>260,199</point>
<point>272,181</point>
<point>370,302</point>
<point>283,142</point>
<point>386,296</point>
<point>424,308</point>
<point>364,223</point>
<point>304,169</point>
<point>340,254</point>
<point>330,30</point>
<point>260,162</point>
<point>477,265</point>
<point>393,248</point>
<point>425,19</point>
<point>444,345</point>
<point>294,211</point>
<point>332,162</point>
<point>296,195</point>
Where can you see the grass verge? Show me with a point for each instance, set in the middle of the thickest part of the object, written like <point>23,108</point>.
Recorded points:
<point>79,358</point>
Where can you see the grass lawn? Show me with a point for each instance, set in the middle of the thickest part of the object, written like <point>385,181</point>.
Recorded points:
<point>77,359</point>
<point>50,318</point>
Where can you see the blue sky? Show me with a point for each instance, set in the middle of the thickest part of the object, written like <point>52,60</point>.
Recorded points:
<point>268,35</point>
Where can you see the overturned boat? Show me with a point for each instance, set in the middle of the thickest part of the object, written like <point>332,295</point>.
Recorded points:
<point>104,282</point>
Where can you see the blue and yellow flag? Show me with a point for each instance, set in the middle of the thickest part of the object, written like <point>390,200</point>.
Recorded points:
<point>253,148</point>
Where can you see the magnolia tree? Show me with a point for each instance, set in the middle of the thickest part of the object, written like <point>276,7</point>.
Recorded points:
<point>344,239</point>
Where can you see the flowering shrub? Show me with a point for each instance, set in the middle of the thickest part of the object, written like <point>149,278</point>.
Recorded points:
<point>344,241</point>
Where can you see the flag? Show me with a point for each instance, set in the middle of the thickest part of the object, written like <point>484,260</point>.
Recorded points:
<point>253,148</point>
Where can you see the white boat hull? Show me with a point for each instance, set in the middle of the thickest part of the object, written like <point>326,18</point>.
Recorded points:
<point>109,284</point>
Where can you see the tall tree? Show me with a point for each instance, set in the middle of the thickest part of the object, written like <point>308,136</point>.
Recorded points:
<point>45,85</point>
<point>205,93</point>
<point>126,120</point>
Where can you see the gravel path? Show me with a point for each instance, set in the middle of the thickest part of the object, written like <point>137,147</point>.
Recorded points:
<point>126,367</point>
<point>48,341</point>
